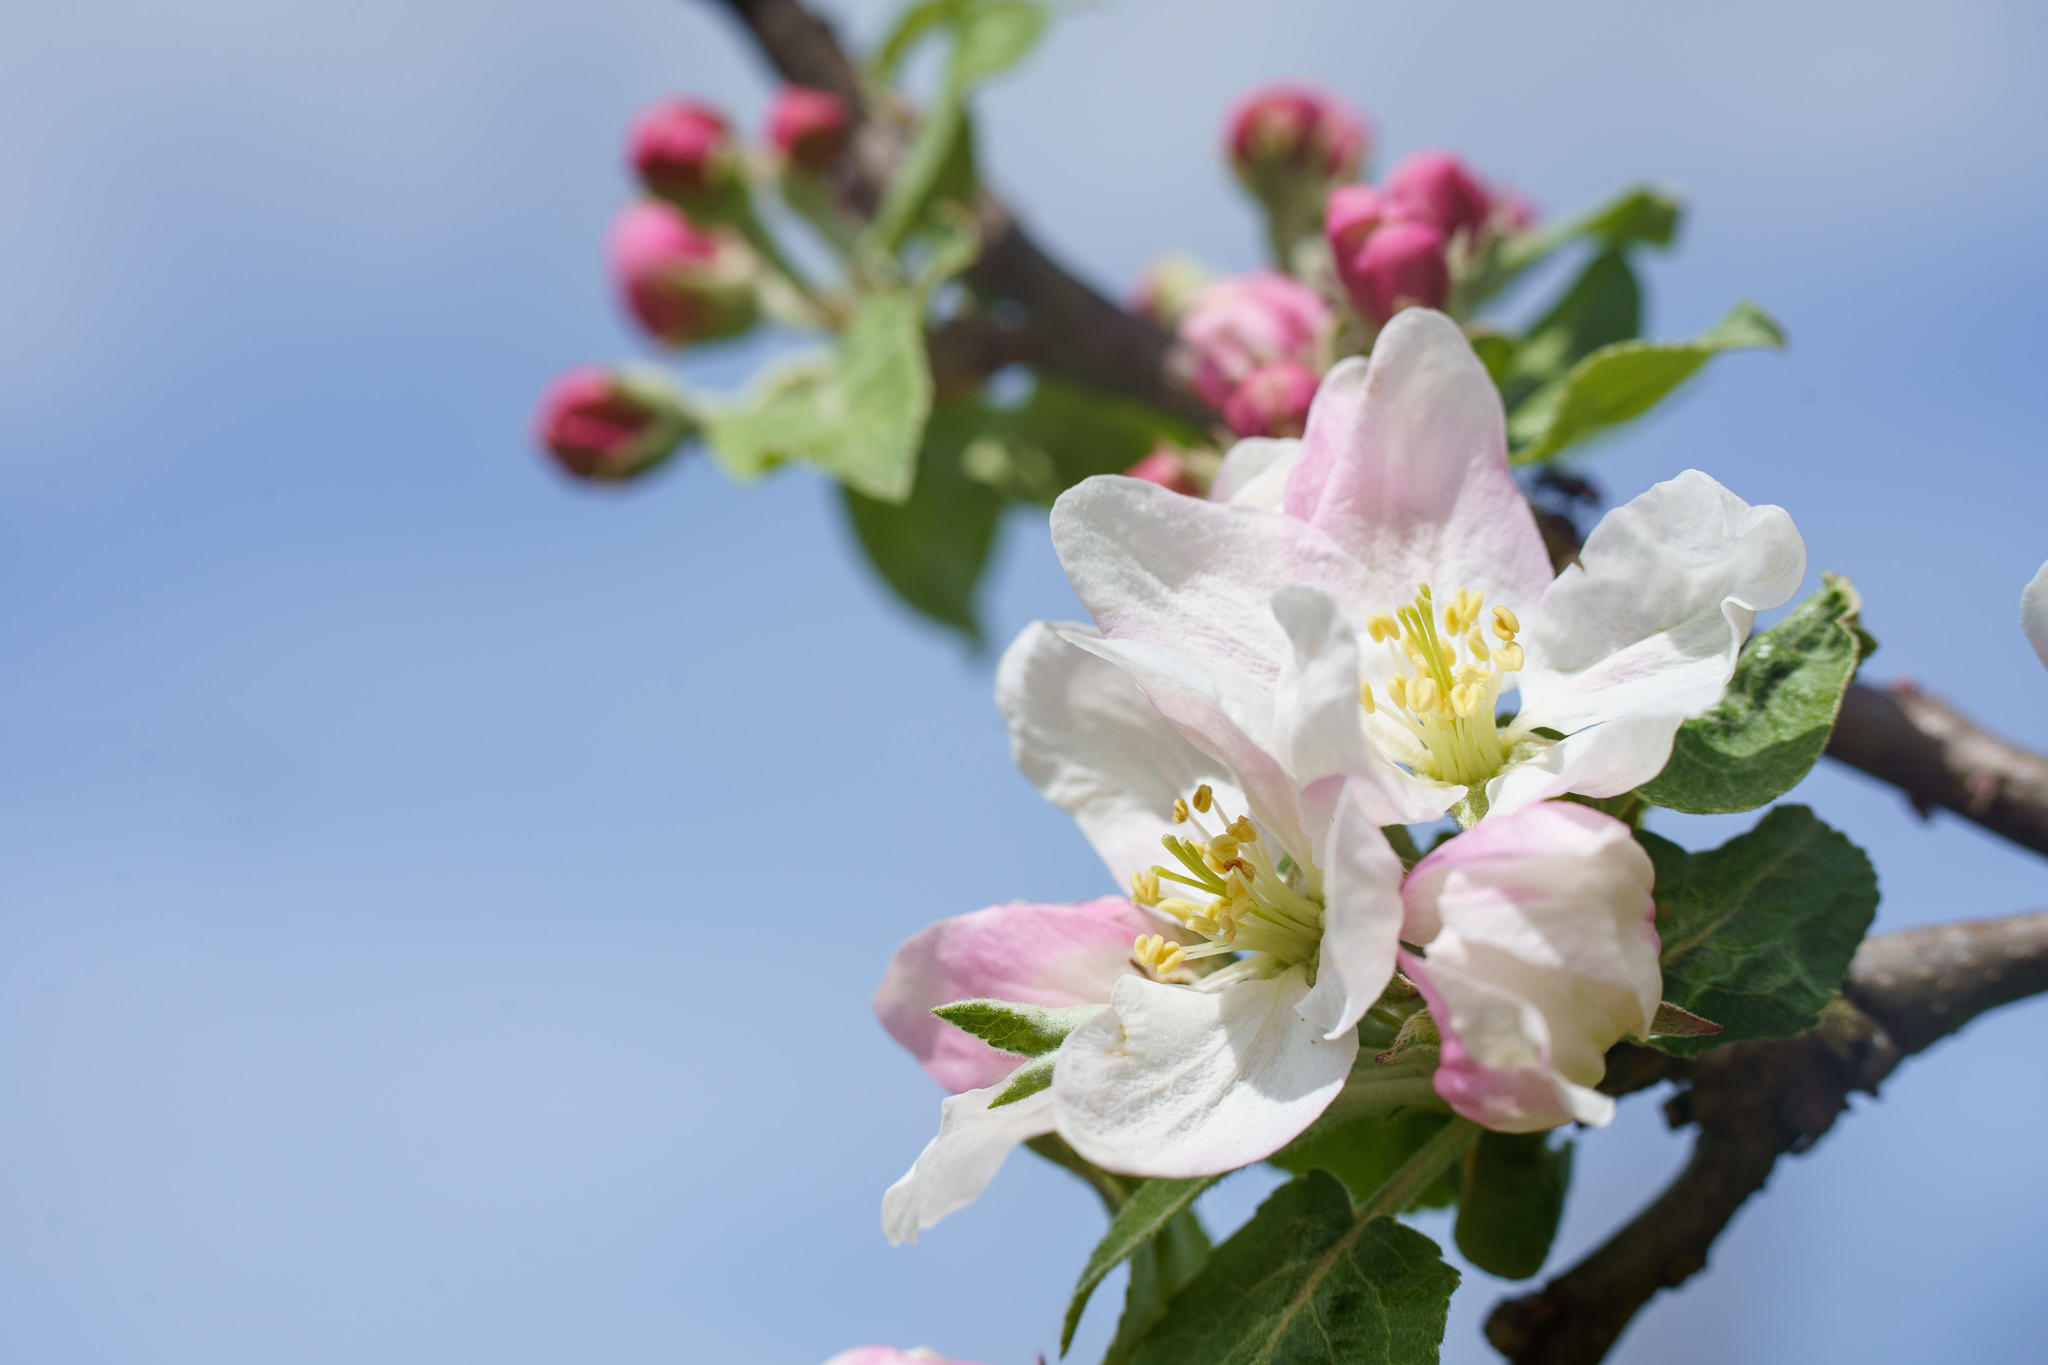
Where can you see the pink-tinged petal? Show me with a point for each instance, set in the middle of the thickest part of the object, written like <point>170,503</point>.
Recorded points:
<point>1090,741</point>
<point>1611,758</point>
<point>1362,913</point>
<point>889,1355</point>
<point>1224,716</point>
<point>1175,1082</point>
<point>1254,472</point>
<point>1057,956</point>
<point>1405,465</point>
<point>2034,614</point>
<point>956,1166</point>
<point>1319,731</point>
<point>1198,577</point>
<point>1651,618</point>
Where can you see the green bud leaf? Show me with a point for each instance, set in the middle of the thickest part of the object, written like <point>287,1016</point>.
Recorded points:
<point>1158,1270</point>
<point>1604,306</point>
<point>994,35</point>
<point>1767,732</point>
<point>1151,1208</point>
<point>1026,1030</point>
<point>1758,933</point>
<point>1513,1195</point>
<point>1621,382</point>
<point>1027,1080</point>
<point>1640,214</point>
<point>1306,1283</point>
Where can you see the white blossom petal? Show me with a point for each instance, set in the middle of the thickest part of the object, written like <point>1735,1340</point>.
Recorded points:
<point>956,1166</point>
<point>1652,617</point>
<point>1405,465</point>
<point>1319,730</point>
<point>1495,1064</point>
<point>1608,759</point>
<point>1176,1082</point>
<point>2034,614</point>
<point>1095,747</point>
<point>1362,915</point>
<point>1254,472</point>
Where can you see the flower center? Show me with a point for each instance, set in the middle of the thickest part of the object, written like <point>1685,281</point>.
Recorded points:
<point>1454,676</point>
<point>1239,898</point>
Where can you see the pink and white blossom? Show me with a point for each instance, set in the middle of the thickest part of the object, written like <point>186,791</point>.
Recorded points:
<point>889,1355</point>
<point>1239,323</point>
<point>1399,508</point>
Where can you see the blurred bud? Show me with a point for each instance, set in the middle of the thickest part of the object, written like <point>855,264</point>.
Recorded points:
<point>683,150</point>
<point>1514,212</point>
<point>1440,187</point>
<point>684,283</point>
<point>1238,323</point>
<point>1272,401</point>
<point>808,126</point>
<point>607,428</point>
<point>1169,469</point>
<point>1163,292</point>
<point>1279,136</point>
<point>1402,263</point>
<point>1350,216</point>
<point>889,1355</point>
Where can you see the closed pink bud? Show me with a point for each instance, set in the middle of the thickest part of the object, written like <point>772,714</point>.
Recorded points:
<point>1287,132</point>
<point>684,283</point>
<point>1401,264</point>
<point>682,149</point>
<point>606,429</point>
<point>808,126</point>
<point>1272,401</point>
<point>1351,215</point>
<point>1240,322</point>
<point>1443,189</point>
<point>1169,469</point>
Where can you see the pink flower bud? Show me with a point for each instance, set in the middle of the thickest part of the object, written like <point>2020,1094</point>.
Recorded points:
<point>1285,133</point>
<point>1169,470</point>
<point>1272,401</point>
<point>1401,263</point>
<point>1440,187</point>
<point>1514,212</point>
<point>1240,322</point>
<point>606,429</point>
<point>682,149</point>
<point>1351,215</point>
<point>808,126</point>
<point>684,283</point>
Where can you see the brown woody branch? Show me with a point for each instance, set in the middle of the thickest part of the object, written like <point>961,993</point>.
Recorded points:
<point>1754,1102</point>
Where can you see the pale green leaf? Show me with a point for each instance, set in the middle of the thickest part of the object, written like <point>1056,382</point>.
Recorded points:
<point>1024,1030</point>
<point>1158,1270</point>
<point>1638,214</point>
<point>1767,732</point>
<point>1026,1081</point>
<point>1510,1202</point>
<point>994,36</point>
<point>1149,1209</point>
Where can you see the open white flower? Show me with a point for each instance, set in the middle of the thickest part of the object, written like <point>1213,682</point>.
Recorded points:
<point>1398,505</point>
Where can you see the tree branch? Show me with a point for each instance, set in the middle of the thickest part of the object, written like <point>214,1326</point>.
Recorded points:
<point>1754,1102</point>
<point>1062,326</point>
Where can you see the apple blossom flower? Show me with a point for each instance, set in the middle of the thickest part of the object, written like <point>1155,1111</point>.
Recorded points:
<point>685,283</point>
<point>606,427</point>
<point>682,149</point>
<point>1441,187</point>
<point>1272,400</point>
<point>808,126</point>
<point>1399,506</point>
<point>1402,263</point>
<point>1537,952</point>
<point>889,1355</point>
<point>1286,132</point>
<point>1239,323</point>
<point>2034,613</point>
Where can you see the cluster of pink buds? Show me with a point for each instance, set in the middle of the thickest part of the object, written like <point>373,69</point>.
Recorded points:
<point>1399,245</point>
<point>1281,138</point>
<point>1259,341</point>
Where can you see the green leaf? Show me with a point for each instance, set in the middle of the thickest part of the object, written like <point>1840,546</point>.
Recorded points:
<point>911,26</point>
<point>1513,1196</point>
<point>1026,1081</point>
<point>1158,1270</point>
<point>1638,214</point>
<point>1619,383</point>
<point>1307,1283</point>
<point>1362,1151</point>
<point>859,418</point>
<point>1603,306</point>
<point>993,37</point>
<point>1758,933</point>
<point>1767,732</point>
<point>1085,431</point>
<point>1150,1208</point>
<point>1026,1030</point>
<point>942,140</point>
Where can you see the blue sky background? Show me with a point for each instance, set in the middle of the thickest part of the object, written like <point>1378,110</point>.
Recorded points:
<point>438,906</point>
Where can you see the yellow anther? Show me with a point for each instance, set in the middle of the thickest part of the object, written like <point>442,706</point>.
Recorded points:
<point>1180,811</point>
<point>1465,698</point>
<point>1243,830</point>
<point>1178,908</point>
<point>1145,886</point>
<point>1504,623</point>
<point>1223,847</point>
<point>1397,688</point>
<point>1204,797</point>
<point>1423,696</point>
<point>1156,955</point>
<point>1365,697</point>
<point>1382,626</point>
<point>1234,887</point>
<point>1509,656</point>
<point>1477,644</point>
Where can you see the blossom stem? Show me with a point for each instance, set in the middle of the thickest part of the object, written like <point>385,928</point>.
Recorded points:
<point>1428,1162</point>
